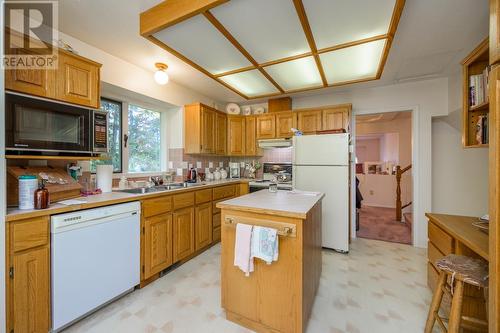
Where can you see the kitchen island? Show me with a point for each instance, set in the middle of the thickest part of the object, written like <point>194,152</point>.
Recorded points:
<point>276,297</point>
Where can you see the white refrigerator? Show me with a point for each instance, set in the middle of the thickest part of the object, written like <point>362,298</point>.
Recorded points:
<point>321,164</point>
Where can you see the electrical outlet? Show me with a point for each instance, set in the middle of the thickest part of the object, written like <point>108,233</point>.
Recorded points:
<point>184,165</point>
<point>170,165</point>
<point>210,164</point>
<point>242,164</point>
<point>179,172</point>
<point>190,165</point>
<point>221,164</point>
<point>198,165</point>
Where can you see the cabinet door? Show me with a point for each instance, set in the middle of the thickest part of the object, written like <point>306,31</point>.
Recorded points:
<point>157,244</point>
<point>284,122</point>
<point>335,119</point>
<point>203,225</point>
<point>309,122</point>
<point>221,134</point>
<point>30,291</point>
<point>183,233</point>
<point>494,31</point>
<point>266,126</point>
<point>250,136</point>
<point>78,81</point>
<point>207,131</point>
<point>236,136</point>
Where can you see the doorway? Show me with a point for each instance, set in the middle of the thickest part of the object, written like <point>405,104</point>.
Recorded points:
<point>384,182</point>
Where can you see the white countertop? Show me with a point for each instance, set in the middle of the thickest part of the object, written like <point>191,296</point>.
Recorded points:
<point>283,203</point>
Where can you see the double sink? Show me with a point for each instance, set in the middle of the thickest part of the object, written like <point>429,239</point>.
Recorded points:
<point>159,188</point>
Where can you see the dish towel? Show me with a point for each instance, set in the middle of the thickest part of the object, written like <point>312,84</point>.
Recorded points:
<point>242,248</point>
<point>265,244</point>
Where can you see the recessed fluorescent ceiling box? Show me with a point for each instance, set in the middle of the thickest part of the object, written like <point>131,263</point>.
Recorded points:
<point>262,48</point>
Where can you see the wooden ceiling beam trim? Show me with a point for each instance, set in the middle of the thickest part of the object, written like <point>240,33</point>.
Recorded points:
<point>236,71</point>
<point>193,64</point>
<point>216,23</point>
<point>353,43</point>
<point>304,21</point>
<point>171,12</point>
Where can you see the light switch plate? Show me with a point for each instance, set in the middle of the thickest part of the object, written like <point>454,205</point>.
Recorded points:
<point>221,164</point>
<point>198,165</point>
<point>179,172</point>
<point>190,165</point>
<point>184,165</point>
<point>170,164</point>
<point>210,164</point>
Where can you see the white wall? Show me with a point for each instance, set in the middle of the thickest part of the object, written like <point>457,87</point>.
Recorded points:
<point>175,122</point>
<point>390,147</point>
<point>378,190</point>
<point>368,150</point>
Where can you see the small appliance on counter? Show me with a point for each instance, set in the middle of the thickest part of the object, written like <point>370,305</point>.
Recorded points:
<point>59,184</point>
<point>234,170</point>
<point>274,173</point>
<point>192,175</point>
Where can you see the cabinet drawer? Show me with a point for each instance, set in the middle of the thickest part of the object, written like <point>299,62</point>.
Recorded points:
<point>440,239</point>
<point>216,235</point>
<point>216,220</point>
<point>216,210</point>
<point>183,200</point>
<point>433,254</point>
<point>30,233</point>
<point>224,192</point>
<point>203,196</point>
<point>156,206</point>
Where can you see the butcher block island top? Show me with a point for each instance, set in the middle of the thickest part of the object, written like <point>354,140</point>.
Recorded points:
<point>276,297</point>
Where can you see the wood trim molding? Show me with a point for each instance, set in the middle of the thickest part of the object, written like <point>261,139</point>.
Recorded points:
<point>301,12</point>
<point>171,12</point>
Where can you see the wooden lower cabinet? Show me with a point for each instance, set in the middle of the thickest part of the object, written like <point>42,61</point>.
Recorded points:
<point>183,229</point>
<point>28,269</point>
<point>203,225</point>
<point>216,227</point>
<point>157,244</point>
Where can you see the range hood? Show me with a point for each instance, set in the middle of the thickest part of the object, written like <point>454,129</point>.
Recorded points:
<point>275,143</point>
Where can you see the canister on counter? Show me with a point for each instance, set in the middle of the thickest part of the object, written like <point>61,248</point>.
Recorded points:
<point>28,184</point>
<point>42,196</point>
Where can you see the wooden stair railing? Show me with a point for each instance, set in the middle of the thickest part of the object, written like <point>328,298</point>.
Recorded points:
<point>399,205</point>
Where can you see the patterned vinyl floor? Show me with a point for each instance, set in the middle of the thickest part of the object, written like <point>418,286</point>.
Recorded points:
<point>377,287</point>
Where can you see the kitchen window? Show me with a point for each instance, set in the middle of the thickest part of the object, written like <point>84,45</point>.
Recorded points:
<point>144,142</point>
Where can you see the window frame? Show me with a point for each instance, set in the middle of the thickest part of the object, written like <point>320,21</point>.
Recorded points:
<point>111,100</point>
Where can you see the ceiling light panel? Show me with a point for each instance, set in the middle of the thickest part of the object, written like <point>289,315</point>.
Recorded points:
<point>268,30</point>
<point>251,83</point>
<point>335,22</point>
<point>353,63</point>
<point>199,41</point>
<point>296,74</point>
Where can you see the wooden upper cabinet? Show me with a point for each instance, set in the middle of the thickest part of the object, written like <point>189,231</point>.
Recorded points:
<point>236,135</point>
<point>220,133</point>
<point>309,122</point>
<point>494,31</point>
<point>78,80</point>
<point>183,233</point>
<point>157,244</point>
<point>250,136</point>
<point>284,122</point>
<point>266,126</point>
<point>203,225</point>
<point>207,131</point>
<point>336,118</point>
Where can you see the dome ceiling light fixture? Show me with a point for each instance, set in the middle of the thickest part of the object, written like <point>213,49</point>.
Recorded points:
<point>161,75</point>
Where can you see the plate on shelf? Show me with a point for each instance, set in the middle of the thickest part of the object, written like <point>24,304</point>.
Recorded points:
<point>233,108</point>
<point>259,110</point>
<point>246,110</point>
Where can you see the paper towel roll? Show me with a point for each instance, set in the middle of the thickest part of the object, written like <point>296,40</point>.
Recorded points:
<point>104,175</point>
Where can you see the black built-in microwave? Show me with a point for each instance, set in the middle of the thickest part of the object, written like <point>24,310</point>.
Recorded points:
<point>40,126</point>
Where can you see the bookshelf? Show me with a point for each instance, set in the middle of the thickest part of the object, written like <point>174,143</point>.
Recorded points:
<point>475,104</point>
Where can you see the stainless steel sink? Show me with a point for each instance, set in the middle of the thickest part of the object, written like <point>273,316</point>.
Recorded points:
<point>159,188</point>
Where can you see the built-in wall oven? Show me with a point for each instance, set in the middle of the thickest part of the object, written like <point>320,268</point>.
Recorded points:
<point>40,126</point>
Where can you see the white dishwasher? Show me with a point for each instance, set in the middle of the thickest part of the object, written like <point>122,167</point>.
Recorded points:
<point>95,258</point>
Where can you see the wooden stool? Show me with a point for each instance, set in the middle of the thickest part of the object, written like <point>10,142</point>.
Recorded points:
<point>463,270</point>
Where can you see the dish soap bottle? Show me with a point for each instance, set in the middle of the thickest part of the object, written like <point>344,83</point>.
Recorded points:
<point>42,196</point>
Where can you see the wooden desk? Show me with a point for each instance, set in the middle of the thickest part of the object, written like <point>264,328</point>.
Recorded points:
<point>456,234</point>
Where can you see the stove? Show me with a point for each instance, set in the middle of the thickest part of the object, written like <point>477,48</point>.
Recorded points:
<point>280,173</point>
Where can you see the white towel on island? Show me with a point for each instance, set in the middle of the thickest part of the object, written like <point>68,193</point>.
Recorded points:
<point>265,244</point>
<point>242,248</point>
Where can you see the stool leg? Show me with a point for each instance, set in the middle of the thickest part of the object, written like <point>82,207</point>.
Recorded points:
<point>456,308</point>
<point>436,303</point>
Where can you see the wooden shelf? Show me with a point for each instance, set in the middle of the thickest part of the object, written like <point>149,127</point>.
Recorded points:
<point>483,106</point>
<point>65,158</point>
<point>475,63</point>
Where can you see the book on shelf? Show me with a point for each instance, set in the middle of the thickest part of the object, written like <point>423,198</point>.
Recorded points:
<point>482,130</point>
<point>478,88</point>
